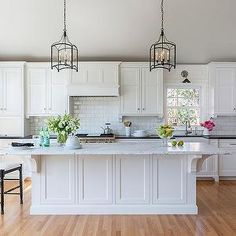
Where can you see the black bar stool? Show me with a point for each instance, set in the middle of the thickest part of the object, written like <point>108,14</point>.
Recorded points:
<point>6,168</point>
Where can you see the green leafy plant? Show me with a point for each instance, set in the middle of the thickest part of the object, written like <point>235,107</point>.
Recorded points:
<point>63,126</point>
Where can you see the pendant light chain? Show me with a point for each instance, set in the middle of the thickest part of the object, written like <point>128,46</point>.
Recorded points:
<point>162,14</point>
<point>64,15</point>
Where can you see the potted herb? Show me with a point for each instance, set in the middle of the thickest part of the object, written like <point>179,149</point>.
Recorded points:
<point>63,126</point>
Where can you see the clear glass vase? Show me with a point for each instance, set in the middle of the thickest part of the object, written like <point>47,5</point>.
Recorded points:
<point>165,142</point>
<point>61,139</point>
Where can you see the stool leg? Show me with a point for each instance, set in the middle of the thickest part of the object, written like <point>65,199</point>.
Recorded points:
<point>2,190</point>
<point>21,184</point>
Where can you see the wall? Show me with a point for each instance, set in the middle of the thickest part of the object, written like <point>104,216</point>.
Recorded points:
<point>94,112</point>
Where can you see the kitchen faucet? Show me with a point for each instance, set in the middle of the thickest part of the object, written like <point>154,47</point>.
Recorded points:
<point>188,129</point>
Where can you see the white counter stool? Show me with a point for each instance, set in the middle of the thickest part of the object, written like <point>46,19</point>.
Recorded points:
<point>6,168</point>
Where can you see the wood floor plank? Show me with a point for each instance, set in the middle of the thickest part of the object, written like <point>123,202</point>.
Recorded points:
<point>217,216</point>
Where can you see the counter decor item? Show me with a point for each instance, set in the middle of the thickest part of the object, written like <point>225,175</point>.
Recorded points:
<point>165,132</point>
<point>140,133</point>
<point>63,126</point>
<point>208,126</point>
<point>72,142</point>
<point>127,125</point>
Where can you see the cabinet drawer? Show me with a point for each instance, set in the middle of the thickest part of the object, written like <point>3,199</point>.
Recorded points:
<point>230,143</point>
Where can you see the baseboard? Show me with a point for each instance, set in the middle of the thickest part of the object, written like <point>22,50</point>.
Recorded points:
<point>113,210</point>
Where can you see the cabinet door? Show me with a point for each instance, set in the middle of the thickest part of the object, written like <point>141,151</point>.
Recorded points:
<point>37,90</point>
<point>132,179</point>
<point>227,164</point>
<point>152,91</point>
<point>57,94</point>
<point>225,90</point>
<point>1,91</point>
<point>13,91</point>
<point>130,91</point>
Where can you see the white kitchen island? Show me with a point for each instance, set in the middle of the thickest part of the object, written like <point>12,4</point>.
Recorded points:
<point>115,178</point>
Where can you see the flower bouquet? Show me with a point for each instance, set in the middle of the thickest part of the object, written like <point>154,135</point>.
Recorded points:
<point>208,126</point>
<point>63,126</point>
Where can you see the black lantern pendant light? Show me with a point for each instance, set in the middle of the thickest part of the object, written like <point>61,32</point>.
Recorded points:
<point>64,54</point>
<point>163,52</point>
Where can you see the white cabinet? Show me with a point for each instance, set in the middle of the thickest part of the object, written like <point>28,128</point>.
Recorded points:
<point>132,179</point>
<point>11,91</point>
<point>95,79</point>
<point>141,90</point>
<point>227,163</point>
<point>47,92</point>
<point>95,179</point>
<point>12,99</point>
<point>223,87</point>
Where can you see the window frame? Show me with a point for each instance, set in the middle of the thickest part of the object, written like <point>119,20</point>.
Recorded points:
<point>182,86</point>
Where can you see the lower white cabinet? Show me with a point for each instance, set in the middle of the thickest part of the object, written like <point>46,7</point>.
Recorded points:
<point>57,179</point>
<point>95,179</point>
<point>227,163</point>
<point>132,179</point>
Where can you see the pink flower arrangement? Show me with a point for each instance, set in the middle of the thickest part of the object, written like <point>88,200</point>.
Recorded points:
<point>209,124</point>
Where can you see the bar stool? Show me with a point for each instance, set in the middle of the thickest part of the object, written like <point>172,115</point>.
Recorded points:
<point>6,168</point>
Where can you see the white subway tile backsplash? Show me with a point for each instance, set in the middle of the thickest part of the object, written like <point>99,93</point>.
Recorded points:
<point>94,112</point>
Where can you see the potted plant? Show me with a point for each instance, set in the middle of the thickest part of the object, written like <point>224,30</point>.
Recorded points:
<point>63,126</point>
<point>208,126</point>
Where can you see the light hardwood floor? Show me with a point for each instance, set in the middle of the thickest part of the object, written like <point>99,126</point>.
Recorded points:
<point>217,216</point>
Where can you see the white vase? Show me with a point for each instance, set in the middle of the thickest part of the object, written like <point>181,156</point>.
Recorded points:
<point>127,131</point>
<point>206,132</point>
<point>72,142</point>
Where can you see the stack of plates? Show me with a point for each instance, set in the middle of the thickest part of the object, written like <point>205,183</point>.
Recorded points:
<point>140,133</point>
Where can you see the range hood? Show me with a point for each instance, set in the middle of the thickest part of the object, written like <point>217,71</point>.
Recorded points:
<point>92,91</point>
<point>95,79</point>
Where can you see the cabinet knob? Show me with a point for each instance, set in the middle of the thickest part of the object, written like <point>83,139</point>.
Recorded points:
<point>138,109</point>
<point>143,109</point>
<point>234,109</point>
<point>44,109</point>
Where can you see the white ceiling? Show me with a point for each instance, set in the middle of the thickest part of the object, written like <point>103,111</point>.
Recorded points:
<point>204,30</point>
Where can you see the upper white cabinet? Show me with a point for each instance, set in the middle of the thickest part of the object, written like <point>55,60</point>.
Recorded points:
<point>95,79</point>
<point>223,88</point>
<point>12,99</point>
<point>11,91</point>
<point>141,90</point>
<point>47,91</point>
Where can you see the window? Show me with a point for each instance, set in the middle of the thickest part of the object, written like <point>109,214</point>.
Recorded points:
<point>183,104</point>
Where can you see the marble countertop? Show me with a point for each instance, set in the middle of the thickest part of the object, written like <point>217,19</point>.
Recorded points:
<point>127,148</point>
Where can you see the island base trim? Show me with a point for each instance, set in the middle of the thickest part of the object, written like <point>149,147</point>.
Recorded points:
<point>113,210</point>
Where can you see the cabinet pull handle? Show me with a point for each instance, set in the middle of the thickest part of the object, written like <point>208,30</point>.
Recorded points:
<point>233,144</point>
